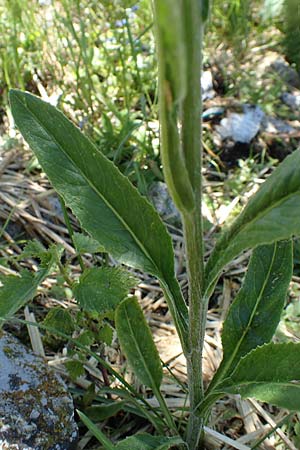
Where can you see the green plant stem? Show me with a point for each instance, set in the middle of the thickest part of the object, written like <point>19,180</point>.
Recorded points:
<point>70,230</point>
<point>165,410</point>
<point>64,274</point>
<point>180,60</point>
<point>197,320</point>
<point>192,221</point>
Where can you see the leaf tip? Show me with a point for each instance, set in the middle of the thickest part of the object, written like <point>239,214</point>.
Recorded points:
<point>14,94</point>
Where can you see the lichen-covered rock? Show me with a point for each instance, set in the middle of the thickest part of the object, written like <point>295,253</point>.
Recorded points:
<point>36,411</point>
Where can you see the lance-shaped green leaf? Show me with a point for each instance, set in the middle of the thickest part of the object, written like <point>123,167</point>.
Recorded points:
<point>172,90</point>
<point>137,343</point>
<point>172,45</point>
<point>272,214</point>
<point>270,373</point>
<point>102,289</point>
<point>104,201</point>
<point>255,313</point>
<point>108,206</point>
<point>145,441</point>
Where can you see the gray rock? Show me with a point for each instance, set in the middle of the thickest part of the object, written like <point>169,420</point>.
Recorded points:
<point>14,229</point>
<point>275,126</point>
<point>286,72</point>
<point>241,127</point>
<point>292,100</point>
<point>163,203</point>
<point>36,411</point>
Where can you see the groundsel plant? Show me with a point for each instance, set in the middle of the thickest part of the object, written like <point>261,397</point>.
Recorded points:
<point>112,211</point>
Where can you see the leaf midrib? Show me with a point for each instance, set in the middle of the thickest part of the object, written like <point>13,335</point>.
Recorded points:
<point>154,387</point>
<point>127,227</point>
<point>229,362</point>
<point>242,228</point>
<point>266,211</point>
<point>262,382</point>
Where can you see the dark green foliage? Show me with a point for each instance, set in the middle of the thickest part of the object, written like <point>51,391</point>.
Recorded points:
<point>269,216</point>
<point>101,290</point>
<point>137,343</point>
<point>60,319</point>
<point>75,368</point>
<point>270,373</point>
<point>102,412</point>
<point>19,290</point>
<point>255,313</point>
<point>144,441</point>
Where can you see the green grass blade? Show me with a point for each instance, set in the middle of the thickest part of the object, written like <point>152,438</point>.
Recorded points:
<point>96,431</point>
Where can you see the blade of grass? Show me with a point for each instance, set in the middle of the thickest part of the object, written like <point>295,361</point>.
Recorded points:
<point>96,431</point>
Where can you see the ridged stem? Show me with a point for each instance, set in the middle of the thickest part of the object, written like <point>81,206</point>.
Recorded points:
<point>192,222</point>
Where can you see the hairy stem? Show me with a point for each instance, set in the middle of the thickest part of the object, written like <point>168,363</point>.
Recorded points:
<point>179,62</point>
<point>197,319</point>
<point>192,222</point>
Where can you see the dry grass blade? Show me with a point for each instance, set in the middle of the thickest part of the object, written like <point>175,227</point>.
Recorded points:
<point>252,422</point>
<point>225,439</point>
<point>289,444</point>
<point>34,334</point>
